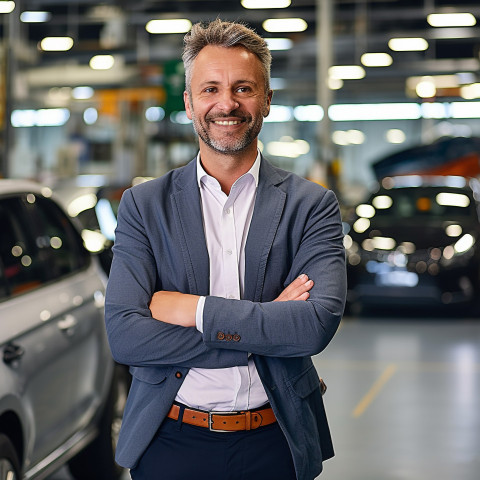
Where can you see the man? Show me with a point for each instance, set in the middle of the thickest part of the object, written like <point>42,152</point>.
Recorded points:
<point>228,275</point>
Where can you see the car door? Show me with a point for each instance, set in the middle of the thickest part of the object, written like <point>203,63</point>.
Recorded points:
<point>51,323</point>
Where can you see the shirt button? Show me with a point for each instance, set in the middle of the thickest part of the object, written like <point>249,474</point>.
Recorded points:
<point>229,251</point>
<point>220,336</point>
<point>227,211</point>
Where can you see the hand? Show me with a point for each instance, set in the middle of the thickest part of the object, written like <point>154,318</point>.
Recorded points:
<point>174,308</point>
<point>297,290</point>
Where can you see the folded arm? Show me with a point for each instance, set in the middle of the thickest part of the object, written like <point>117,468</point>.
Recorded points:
<point>135,337</point>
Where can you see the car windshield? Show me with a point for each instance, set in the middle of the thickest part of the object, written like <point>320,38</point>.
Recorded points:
<point>422,204</point>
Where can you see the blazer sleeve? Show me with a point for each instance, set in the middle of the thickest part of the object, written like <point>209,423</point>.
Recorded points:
<point>135,337</point>
<point>291,328</point>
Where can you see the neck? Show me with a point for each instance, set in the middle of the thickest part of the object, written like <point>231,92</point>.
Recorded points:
<point>226,169</point>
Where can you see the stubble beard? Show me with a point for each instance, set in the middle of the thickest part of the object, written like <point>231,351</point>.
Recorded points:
<point>230,143</point>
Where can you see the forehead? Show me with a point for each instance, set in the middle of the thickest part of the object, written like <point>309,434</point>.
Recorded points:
<point>214,61</point>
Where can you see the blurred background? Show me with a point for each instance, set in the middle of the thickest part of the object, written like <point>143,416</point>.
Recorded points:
<point>378,100</point>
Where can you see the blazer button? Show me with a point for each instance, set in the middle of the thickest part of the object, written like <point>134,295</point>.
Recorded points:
<point>179,375</point>
<point>228,337</point>
<point>220,336</point>
<point>236,337</point>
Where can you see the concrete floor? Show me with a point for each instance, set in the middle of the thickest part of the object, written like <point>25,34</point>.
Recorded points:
<point>403,399</point>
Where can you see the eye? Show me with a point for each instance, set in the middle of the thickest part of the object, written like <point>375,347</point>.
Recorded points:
<point>210,90</point>
<point>243,89</point>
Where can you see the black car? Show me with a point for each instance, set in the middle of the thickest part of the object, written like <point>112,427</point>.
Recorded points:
<point>414,242</point>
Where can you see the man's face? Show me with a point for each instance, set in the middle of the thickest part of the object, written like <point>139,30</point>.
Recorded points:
<point>228,99</point>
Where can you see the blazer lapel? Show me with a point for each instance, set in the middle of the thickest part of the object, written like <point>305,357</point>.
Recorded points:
<point>187,204</point>
<point>269,204</point>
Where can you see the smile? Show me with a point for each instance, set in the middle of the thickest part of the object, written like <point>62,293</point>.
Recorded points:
<point>227,122</point>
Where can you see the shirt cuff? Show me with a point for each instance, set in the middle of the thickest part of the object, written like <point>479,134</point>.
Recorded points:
<point>199,314</point>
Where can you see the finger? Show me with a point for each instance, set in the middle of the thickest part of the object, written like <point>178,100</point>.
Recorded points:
<point>299,286</point>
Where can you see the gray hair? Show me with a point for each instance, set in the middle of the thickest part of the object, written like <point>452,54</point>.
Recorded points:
<point>224,34</point>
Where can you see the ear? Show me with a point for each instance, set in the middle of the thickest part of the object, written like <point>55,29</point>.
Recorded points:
<point>188,108</point>
<point>268,102</point>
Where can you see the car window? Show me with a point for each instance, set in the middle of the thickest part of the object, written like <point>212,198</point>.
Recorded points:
<point>425,203</point>
<point>38,244</point>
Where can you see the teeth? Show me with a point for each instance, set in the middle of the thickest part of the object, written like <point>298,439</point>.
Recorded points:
<point>227,122</point>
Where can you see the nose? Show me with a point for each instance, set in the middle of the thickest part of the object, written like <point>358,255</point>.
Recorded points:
<point>227,102</point>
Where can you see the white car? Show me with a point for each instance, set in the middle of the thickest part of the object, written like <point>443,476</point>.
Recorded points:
<point>61,393</point>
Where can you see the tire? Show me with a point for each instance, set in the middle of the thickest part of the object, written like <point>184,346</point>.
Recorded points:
<point>9,464</point>
<point>97,460</point>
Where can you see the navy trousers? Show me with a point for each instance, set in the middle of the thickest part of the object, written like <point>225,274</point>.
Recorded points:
<point>184,452</point>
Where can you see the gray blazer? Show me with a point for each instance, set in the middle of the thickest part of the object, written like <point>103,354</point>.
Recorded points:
<point>160,245</point>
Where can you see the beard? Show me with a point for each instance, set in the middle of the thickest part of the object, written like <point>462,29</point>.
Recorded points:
<point>229,142</point>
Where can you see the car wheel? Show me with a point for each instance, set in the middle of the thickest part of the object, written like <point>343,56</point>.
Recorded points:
<point>9,464</point>
<point>97,461</point>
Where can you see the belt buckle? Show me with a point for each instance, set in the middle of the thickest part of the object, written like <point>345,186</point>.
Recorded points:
<point>210,421</point>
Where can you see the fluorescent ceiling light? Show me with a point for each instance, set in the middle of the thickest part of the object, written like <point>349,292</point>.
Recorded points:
<point>408,44</point>
<point>451,20</point>
<point>376,59</point>
<point>101,62</point>
<point>178,25</point>
<point>308,113</point>
<point>465,109</point>
<point>346,72</point>
<point>82,93</point>
<point>7,7</point>
<point>279,43</point>
<point>279,113</point>
<point>285,25</point>
<point>265,3</point>
<point>469,92</point>
<point>56,44</point>
<point>47,117</point>
<point>375,111</point>
<point>35,17</point>
<point>288,148</point>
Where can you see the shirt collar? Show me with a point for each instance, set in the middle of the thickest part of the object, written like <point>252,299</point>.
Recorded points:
<point>254,170</point>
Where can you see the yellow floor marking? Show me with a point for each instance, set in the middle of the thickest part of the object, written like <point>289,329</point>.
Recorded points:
<point>373,392</point>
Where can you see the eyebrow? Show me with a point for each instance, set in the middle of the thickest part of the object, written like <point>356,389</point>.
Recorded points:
<point>237,82</point>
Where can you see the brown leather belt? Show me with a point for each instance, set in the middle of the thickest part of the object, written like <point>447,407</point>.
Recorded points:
<point>225,421</point>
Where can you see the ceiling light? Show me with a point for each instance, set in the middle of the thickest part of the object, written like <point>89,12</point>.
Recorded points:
<point>102,62</point>
<point>279,113</point>
<point>451,20</point>
<point>465,109</point>
<point>56,44</point>
<point>308,113</point>
<point>395,136</point>
<point>7,7</point>
<point>426,88</point>
<point>407,44</point>
<point>279,43</point>
<point>265,3</point>
<point>469,92</point>
<point>35,17</point>
<point>346,72</point>
<point>376,59</point>
<point>178,25</point>
<point>334,83</point>
<point>285,25</point>
<point>82,93</point>
<point>375,111</point>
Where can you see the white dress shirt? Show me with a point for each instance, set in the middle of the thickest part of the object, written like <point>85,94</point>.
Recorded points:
<point>226,221</point>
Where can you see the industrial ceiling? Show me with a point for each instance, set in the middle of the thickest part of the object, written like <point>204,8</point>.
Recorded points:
<point>357,27</point>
